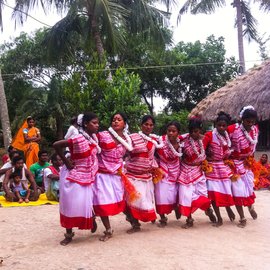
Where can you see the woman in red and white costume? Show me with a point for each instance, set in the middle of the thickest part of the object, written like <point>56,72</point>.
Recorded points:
<point>77,177</point>
<point>109,188</point>
<point>169,161</point>
<point>244,138</point>
<point>139,169</point>
<point>217,144</point>
<point>192,192</point>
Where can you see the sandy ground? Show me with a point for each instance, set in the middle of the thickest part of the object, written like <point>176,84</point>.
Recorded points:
<point>30,240</point>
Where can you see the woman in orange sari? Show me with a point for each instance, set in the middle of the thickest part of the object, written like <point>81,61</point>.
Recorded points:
<point>27,139</point>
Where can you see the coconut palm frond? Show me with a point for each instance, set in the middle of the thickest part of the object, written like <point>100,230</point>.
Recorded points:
<point>207,6</point>
<point>63,37</point>
<point>249,22</point>
<point>264,5</point>
<point>113,18</point>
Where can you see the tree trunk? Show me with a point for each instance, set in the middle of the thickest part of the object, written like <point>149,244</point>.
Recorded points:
<point>150,108</point>
<point>4,115</point>
<point>97,38</point>
<point>239,23</point>
<point>59,128</point>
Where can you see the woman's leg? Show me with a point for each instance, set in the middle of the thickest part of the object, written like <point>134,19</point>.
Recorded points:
<point>109,232</point>
<point>217,212</point>
<point>68,237</point>
<point>230,213</point>
<point>242,222</point>
<point>189,223</point>
<point>163,221</point>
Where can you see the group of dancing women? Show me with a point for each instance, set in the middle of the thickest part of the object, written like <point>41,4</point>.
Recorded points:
<point>141,174</point>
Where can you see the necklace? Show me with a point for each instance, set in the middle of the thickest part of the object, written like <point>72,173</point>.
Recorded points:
<point>177,152</point>
<point>92,139</point>
<point>248,137</point>
<point>225,141</point>
<point>127,144</point>
<point>149,139</point>
<point>199,155</point>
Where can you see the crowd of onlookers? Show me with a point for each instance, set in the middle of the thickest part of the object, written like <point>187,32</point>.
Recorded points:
<point>21,184</point>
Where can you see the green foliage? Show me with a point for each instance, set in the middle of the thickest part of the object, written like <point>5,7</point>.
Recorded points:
<point>95,91</point>
<point>163,119</point>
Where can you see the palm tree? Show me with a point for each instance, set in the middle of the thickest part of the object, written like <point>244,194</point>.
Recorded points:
<point>4,115</point>
<point>99,22</point>
<point>245,22</point>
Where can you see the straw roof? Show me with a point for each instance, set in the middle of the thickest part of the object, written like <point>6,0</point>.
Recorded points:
<point>252,88</point>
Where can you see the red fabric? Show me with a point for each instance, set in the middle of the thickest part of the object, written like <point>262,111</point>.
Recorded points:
<point>221,199</point>
<point>81,223</point>
<point>109,209</point>
<point>165,209</point>
<point>242,201</point>
<point>143,215</point>
<point>207,139</point>
<point>202,202</point>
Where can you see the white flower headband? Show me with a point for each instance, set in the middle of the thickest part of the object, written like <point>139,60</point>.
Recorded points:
<point>79,120</point>
<point>249,107</point>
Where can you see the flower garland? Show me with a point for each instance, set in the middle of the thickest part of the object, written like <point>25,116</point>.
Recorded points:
<point>92,139</point>
<point>149,139</point>
<point>177,152</point>
<point>225,141</point>
<point>199,155</point>
<point>127,144</point>
<point>252,141</point>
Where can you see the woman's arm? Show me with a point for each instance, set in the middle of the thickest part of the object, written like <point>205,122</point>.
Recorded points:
<point>59,146</point>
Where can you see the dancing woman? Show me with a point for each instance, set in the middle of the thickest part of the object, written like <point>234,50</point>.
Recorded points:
<point>217,144</point>
<point>192,182</point>
<point>77,177</point>
<point>244,139</point>
<point>109,187</point>
<point>169,161</point>
<point>139,169</point>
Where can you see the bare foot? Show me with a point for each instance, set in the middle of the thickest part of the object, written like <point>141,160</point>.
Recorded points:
<point>20,200</point>
<point>26,200</point>
<point>242,223</point>
<point>162,222</point>
<point>189,223</point>
<point>218,223</point>
<point>107,235</point>
<point>68,239</point>
<point>133,230</point>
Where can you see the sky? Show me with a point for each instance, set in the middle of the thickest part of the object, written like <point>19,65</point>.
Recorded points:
<point>190,29</point>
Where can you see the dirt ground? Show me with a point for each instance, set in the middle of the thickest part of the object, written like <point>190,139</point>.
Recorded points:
<point>29,239</point>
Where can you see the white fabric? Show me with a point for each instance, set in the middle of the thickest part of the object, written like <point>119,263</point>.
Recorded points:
<point>146,201</point>
<point>71,133</point>
<point>189,193</point>
<point>224,187</point>
<point>47,180</point>
<point>166,193</point>
<point>108,189</point>
<point>243,187</point>
<point>75,200</point>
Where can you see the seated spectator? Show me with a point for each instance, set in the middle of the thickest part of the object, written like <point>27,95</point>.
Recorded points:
<point>7,166</point>
<point>19,188</point>
<point>262,173</point>
<point>37,169</point>
<point>25,177</point>
<point>51,178</point>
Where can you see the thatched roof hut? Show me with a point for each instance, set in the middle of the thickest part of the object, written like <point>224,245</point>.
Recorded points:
<point>252,88</point>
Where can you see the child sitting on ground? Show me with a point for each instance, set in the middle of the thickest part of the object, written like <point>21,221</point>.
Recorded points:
<point>19,188</point>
